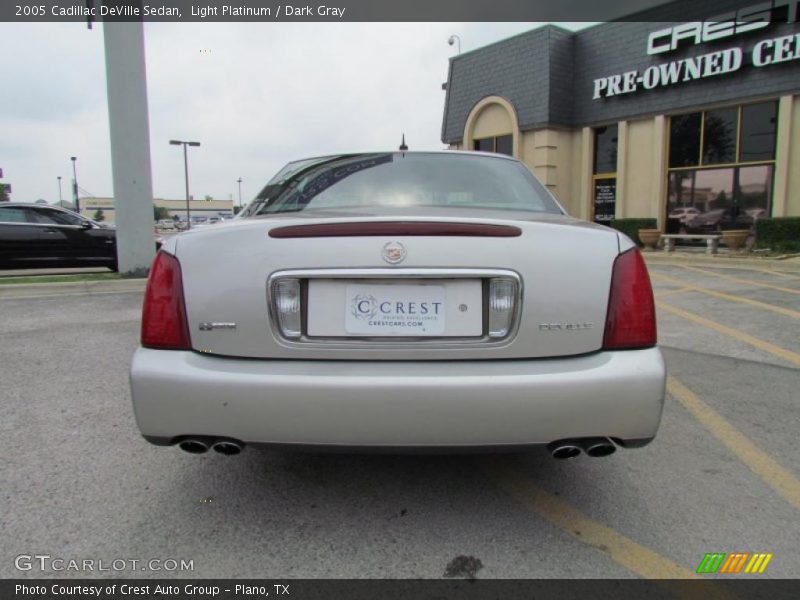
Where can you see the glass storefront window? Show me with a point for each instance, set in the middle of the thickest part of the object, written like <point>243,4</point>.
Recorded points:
<point>708,197</point>
<point>605,149</point>
<point>710,200</point>
<point>719,136</point>
<point>759,124</point>
<point>684,140</point>
<point>754,191</point>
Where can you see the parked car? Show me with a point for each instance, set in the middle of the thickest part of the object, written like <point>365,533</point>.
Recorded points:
<point>396,300</point>
<point>207,222</point>
<point>684,214</point>
<point>709,221</point>
<point>39,235</point>
<point>751,215</point>
<point>166,224</point>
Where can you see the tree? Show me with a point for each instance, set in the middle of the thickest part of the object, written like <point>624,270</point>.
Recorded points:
<point>99,216</point>
<point>4,197</point>
<point>159,212</point>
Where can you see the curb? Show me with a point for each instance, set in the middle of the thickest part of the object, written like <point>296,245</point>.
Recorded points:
<point>69,288</point>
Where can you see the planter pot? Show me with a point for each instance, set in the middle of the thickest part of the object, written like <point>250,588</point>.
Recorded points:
<point>650,237</point>
<point>735,238</point>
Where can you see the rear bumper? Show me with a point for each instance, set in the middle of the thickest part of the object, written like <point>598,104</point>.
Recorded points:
<point>398,404</point>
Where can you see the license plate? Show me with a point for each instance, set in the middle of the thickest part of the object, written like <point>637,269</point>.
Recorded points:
<point>395,310</point>
<point>419,308</point>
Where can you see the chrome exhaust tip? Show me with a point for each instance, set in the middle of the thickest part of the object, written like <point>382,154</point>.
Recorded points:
<point>227,448</point>
<point>564,450</point>
<point>193,446</point>
<point>598,447</point>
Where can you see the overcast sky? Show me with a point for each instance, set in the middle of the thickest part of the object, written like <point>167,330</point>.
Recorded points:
<point>255,95</point>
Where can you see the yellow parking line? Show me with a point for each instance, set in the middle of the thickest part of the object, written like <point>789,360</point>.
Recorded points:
<point>745,281</point>
<point>773,349</point>
<point>672,291</point>
<point>778,273</point>
<point>788,312</point>
<point>773,474</point>
<point>619,548</point>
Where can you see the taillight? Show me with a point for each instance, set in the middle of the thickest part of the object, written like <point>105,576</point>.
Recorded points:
<point>164,323</point>
<point>631,317</point>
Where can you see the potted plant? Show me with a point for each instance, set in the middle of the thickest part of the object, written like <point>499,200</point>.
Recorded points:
<point>649,237</point>
<point>734,239</point>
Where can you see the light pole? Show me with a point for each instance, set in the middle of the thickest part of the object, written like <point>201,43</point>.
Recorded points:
<point>74,159</point>
<point>59,190</point>
<point>239,181</point>
<point>453,39</point>
<point>186,173</point>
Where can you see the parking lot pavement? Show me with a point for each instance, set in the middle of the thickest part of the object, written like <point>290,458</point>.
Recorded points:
<point>722,476</point>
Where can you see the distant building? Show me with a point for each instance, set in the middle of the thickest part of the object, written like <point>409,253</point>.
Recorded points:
<point>176,208</point>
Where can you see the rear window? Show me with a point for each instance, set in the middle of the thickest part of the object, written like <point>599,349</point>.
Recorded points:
<point>401,180</point>
<point>13,214</point>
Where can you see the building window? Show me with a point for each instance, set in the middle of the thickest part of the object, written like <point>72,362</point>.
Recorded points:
<point>719,136</point>
<point>502,144</point>
<point>684,140</point>
<point>758,130</point>
<point>605,149</point>
<point>714,183</point>
<point>726,136</point>
<point>604,182</point>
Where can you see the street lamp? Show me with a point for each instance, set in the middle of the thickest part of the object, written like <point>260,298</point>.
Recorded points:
<point>74,159</point>
<point>60,201</point>
<point>453,39</point>
<point>239,181</point>
<point>186,173</point>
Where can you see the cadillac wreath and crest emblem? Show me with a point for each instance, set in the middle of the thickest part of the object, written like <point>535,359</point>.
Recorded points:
<point>394,252</point>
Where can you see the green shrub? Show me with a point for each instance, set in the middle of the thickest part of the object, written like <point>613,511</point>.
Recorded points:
<point>631,227</point>
<point>779,234</point>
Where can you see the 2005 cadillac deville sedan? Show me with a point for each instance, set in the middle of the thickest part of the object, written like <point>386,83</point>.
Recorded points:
<point>400,300</point>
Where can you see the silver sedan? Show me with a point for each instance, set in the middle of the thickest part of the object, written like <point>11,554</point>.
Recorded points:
<point>398,300</point>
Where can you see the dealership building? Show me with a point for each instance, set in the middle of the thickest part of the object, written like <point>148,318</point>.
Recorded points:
<point>689,106</point>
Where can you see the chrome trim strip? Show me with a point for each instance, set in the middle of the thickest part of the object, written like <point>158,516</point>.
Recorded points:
<point>48,225</point>
<point>393,343</point>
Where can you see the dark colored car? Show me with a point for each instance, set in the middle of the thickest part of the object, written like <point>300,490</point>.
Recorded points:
<point>39,235</point>
<point>709,222</point>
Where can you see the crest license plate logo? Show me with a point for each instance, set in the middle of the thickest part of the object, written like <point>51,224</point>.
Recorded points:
<point>363,306</point>
<point>395,310</point>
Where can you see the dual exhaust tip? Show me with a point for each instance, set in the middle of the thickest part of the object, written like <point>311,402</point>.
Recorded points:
<point>594,447</point>
<point>201,446</point>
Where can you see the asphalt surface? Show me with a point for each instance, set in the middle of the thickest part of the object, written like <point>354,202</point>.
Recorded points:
<point>78,482</point>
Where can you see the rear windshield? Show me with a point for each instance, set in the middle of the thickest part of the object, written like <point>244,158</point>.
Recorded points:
<point>401,180</point>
